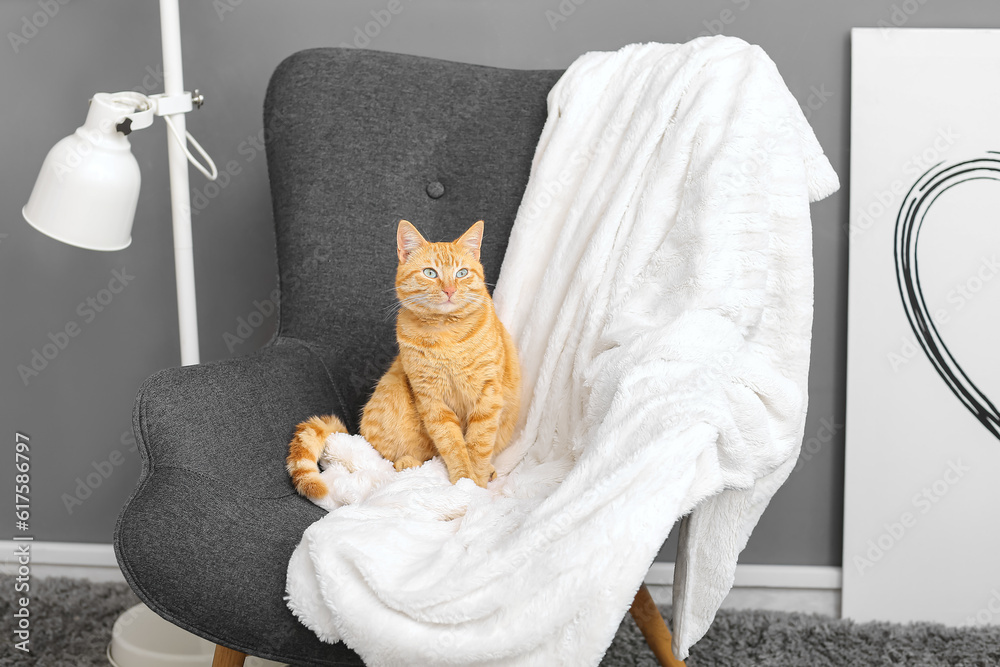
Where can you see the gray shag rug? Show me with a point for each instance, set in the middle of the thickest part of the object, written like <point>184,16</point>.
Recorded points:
<point>71,623</point>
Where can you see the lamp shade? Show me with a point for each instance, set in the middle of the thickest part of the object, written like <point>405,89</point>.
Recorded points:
<point>88,188</point>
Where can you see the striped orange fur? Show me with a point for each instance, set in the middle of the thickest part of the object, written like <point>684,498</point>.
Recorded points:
<point>304,451</point>
<point>454,388</point>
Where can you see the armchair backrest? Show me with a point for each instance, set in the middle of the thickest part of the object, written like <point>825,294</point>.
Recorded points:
<point>358,139</point>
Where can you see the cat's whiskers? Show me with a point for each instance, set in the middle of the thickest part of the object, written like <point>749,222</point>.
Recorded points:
<point>394,307</point>
<point>416,299</point>
<point>417,371</point>
<point>477,299</point>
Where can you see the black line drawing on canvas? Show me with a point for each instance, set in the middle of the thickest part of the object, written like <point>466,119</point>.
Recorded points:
<point>918,201</point>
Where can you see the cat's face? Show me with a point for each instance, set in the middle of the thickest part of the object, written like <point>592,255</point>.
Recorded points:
<point>439,278</point>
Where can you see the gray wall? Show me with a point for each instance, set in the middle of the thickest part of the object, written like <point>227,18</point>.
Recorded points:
<point>77,409</point>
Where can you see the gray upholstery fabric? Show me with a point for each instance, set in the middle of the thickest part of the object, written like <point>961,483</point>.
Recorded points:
<point>355,140</point>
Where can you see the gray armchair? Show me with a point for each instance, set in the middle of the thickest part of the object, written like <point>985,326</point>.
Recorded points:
<point>356,140</point>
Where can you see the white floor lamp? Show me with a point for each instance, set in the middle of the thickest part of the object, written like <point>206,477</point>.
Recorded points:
<point>86,195</point>
<point>88,187</point>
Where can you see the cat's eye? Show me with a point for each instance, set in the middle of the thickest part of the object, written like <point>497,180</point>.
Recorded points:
<point>430,273</point>
<point>462,273</point>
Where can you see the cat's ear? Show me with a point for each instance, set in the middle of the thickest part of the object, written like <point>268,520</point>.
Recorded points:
<point>408,239</point>
<point>472,239</point>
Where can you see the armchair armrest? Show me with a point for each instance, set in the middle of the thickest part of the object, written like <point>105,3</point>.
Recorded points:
<point>205,538</point>
<point>232,420</point>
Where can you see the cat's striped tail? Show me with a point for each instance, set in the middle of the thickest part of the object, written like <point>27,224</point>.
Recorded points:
<point>304,451</point>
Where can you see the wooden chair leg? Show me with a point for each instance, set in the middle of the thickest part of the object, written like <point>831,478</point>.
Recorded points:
<point>227,657</point>
<point>653,628</point>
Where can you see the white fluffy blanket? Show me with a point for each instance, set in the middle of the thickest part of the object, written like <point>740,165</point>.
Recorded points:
<point>658,283</point>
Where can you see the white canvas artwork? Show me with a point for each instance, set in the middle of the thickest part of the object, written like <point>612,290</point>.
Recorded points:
<point>922,478</point>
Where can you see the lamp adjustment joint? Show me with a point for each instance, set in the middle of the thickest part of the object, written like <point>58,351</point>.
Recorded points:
<point>168,105</point>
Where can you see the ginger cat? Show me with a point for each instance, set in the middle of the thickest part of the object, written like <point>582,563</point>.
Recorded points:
<point>454,388</point>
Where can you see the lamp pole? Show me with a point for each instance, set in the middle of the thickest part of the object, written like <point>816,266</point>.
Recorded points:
<point>92,202</point>
<point>180,195</point>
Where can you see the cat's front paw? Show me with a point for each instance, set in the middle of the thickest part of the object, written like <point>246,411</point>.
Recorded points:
<point>457,474</point>
<point>407,461</point>
<point>484,476</point>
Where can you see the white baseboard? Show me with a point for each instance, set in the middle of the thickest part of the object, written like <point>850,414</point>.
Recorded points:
<point>763,576</point>
<point>95,562</point>
<point>811,589</point>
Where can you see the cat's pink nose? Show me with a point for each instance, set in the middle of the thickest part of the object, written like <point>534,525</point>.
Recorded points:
<point>448,291</point>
